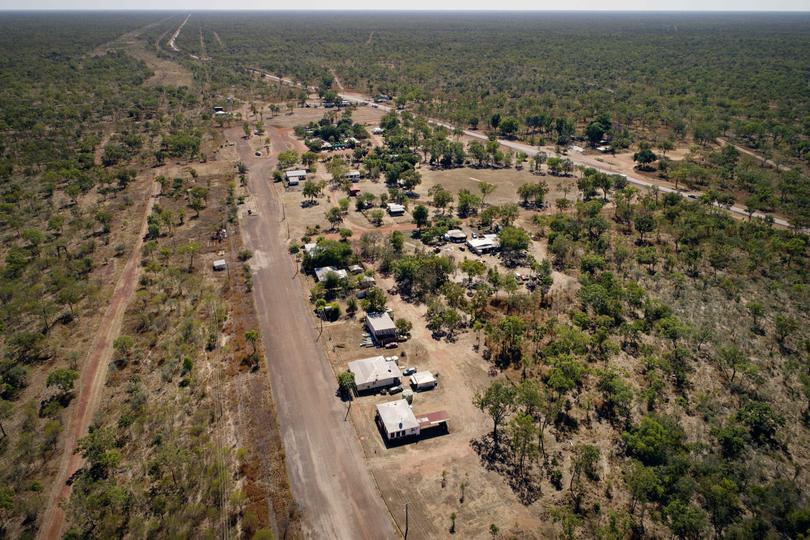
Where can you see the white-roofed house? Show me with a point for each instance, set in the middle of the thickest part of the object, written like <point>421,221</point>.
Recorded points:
<point>295,177</point>
<point>395,209</point>
<point>397,420</point>
<point>374,372</point>
<point>485,244</point>
<point>381,327</point>
<point>324,271</point>
<point>455,235</point>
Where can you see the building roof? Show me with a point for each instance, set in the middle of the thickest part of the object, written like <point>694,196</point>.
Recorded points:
<point>309,248</point>
<point>377,130</point>
<point>455,233</point>
<point>355,269</point>
<point>353,173</point>
<point>397,416</point>
<point>432,419</point>
<point>380,323</point>
<point>423,377</point>
<point>373,369</point>
<point>297,173</point>
<point>394,207</point>
<point>220,263</point>
<point>486,241</point>
<point>324,271</point>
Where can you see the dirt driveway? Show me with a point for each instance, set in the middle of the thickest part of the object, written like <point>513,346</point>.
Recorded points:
<point>326,466</point>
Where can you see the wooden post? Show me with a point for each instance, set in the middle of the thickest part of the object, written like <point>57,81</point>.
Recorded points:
<point>406,521</point>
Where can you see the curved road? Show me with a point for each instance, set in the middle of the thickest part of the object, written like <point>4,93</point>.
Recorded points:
<point>325,463</point>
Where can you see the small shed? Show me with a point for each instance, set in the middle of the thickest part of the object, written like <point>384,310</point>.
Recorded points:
<point>395,209</point>
<point>356,269</point>
<point>378,131</point>
<point>366,282</point>
<point>220,265</point>
<point>354,176</point>
<point>423,380</point>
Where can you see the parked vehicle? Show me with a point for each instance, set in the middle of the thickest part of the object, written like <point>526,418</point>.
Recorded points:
<point>409,371</point>
<point>395,390</point>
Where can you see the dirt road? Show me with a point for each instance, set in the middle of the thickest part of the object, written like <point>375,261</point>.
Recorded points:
<point>91,383</point>
<point>326,466</point>
<point>172,45</point>
<point>744,150</point>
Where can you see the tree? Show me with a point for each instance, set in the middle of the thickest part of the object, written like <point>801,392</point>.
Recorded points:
<point>420,216</point>
<point>686,520</point>
<point>722,501</point>
<point>514,242</point>
<point>730,359</point>
<point>486,188</point>
<point>761,420</point>
<point>654,440</point>
<point>644,223</point>
<point>312,190</point>
<point>473,268</point>
<point>404,327</point>
<point>334,216</point>
<point>441,197</point>
<point>784,326</point>
<point>287,159</point>
<point>376,216</point>
<point>468,203</point>
<point>497,401</point>
<point>123,345</point>
<point>643,486</point>
<point>508,126</point>
<point>644,157</point>
<point>63,379</point>
<point>345,381</point>
<point>522,432</point>
<point>586,458</point>
<point>374,301</point>
<point>252,337</point>
<point>190,249</point>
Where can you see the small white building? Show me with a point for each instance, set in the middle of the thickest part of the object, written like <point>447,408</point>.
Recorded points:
<point>423,380</point>
<point>354,176</point>
<point>356,269</point>
<point>295,177</point>
<point>455,235</point>
<point>381,327</point>
<point>397,420</point>
<point>374,372</point>
<point>395,209</point>
<point>220,265</point>
<point>378,131</point>
<point>485,244</point>
<point>324,271</point>
<point>310,248</point>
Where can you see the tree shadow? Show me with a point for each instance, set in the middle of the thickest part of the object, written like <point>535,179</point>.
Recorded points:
<point>502,460</point>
